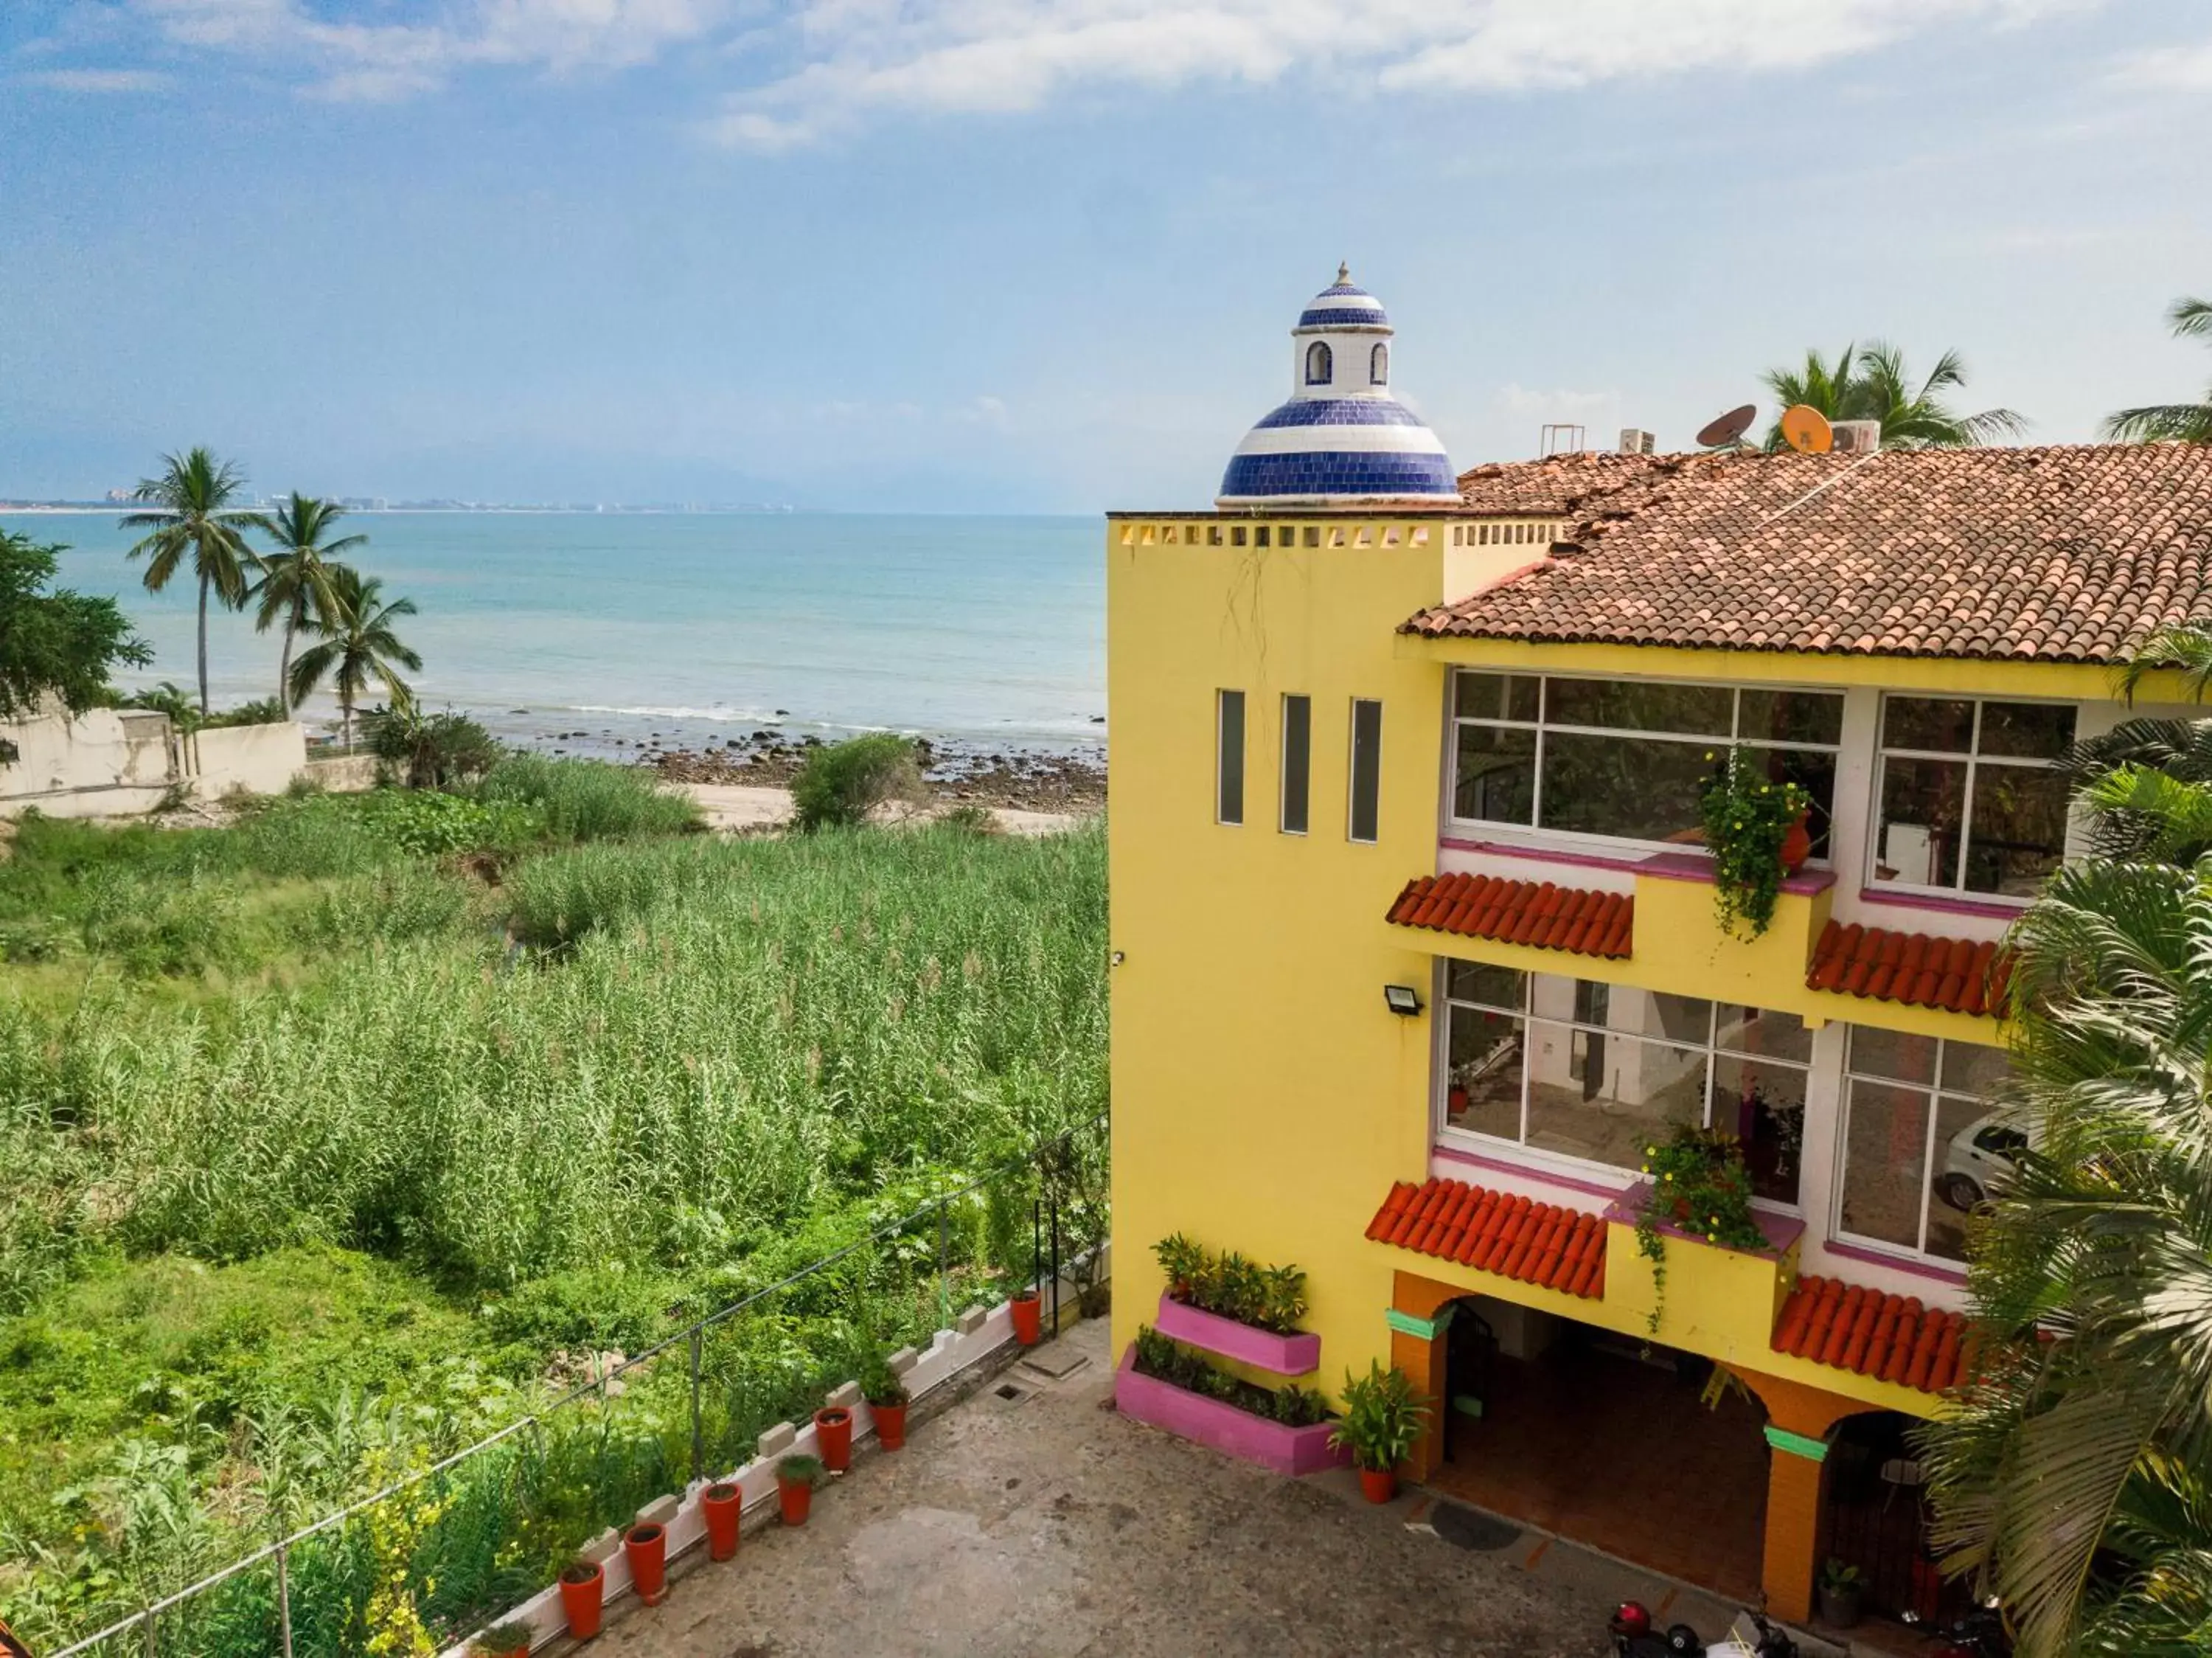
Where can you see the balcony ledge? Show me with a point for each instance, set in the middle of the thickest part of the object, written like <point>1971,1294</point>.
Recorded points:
<point>1781,1232</point>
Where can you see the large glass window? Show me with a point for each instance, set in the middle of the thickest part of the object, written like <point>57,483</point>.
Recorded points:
<point>1297,762</point>
<point>1625,758</point>
<point>1969,800</point>
<point>1599,1071</point>
<point>1367,805</point>
<point>1922,1145</point>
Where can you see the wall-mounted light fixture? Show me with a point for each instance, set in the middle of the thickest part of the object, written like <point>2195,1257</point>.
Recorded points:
<point>1117,958</point>
<point>1402,1000</point>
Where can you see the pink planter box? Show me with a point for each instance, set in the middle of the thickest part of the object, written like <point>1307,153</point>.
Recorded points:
<point>1223,1427</point>
<point>1285,1356</point>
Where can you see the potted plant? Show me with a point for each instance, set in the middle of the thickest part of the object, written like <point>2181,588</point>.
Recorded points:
<point>887,1401</point>
<point>1184,1264</point>
<point>723,1505</point>
<point>1841,1590</point>
<point>583,1597</point>
<point>1029,1319</point>
<point>795,1477</point>
<point>1748,818</point>
<point>510,1639</point>
<point>833,1437</point>
<point>645,1546</point>
<point>1701,1185</point>
<point>1383,1418</point>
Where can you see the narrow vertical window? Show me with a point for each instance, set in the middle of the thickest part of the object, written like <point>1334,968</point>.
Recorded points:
<point>1298,761</point>
<point>1229,759</point>
<point>1366,768</point>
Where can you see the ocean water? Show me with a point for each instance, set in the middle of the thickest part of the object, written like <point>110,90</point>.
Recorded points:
<point>693,627</point>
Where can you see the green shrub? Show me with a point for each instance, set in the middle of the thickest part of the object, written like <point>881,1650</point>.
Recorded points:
<point>839,785</point>
<point>589,800</point>
<point>263,711</point>
<point>430,751</point>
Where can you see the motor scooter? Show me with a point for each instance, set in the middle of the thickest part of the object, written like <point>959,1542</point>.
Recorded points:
<point>1979,1634</point>
<point>1749,1637</point>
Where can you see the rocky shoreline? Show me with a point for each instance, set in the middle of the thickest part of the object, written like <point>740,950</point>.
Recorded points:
<point>957,774</point>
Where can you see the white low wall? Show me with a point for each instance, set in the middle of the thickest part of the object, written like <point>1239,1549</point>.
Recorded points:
<point>104,761</point>
<point>261,759</point>
<point>977,1337</point>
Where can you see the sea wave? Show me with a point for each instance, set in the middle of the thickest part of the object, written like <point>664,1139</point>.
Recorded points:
<point>721,711</point>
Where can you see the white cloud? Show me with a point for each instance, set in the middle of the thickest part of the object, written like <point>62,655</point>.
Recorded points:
<point>844,62</point>
<point>389,60</point>
<point>2187,68</point>
<point>863,57</point>
<point>97,80</point>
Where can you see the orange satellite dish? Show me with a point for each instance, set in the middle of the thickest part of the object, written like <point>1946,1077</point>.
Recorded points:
<point>1806,429</point>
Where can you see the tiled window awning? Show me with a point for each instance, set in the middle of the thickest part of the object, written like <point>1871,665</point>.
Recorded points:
<point>1888,1338</point>
<point>1957,975</point>
<point>1496,1232</point>
<point>1548,917</point>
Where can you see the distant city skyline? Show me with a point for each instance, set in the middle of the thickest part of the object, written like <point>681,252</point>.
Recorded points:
<point>955,255</point>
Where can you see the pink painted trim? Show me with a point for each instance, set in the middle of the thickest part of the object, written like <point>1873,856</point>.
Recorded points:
<point>1223,1427</point>
<point>1779,1230</point>
<point>1545,1176</point>
<point>1995,909</point>
<point>1542,855</point>
<point>1285,1356</point>
<point>1918,1268</point>
<point>1666,866</point>
<point>1696,866</point>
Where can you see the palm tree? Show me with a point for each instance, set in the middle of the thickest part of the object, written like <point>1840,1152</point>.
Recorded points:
<point>2190,421</point>
<point>1871,382</point>
<point>358,645</point>
<point>192,510</point>
<point>2071,1479</point>
<point>296,579</point>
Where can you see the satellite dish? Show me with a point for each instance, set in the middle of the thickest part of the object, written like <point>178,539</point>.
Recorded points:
<point>1806,429</point>
<point>1728,430</point>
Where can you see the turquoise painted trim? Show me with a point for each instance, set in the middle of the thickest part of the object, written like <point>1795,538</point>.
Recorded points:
<point>1406,1324</point>
<point>1813,1450</point>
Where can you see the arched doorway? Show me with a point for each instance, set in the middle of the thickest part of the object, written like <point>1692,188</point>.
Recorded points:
<point>1874,1515</point>
<point>1655,1455</point>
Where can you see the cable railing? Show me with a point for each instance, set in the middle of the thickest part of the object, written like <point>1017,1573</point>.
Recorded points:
<point>439,1546</point>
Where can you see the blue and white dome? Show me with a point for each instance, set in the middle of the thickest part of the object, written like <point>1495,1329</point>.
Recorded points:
<point>1342,440</point>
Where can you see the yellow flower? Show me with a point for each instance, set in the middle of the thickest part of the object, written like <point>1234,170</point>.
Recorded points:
<point>1716,1220</point>
<point>1647,1168</point>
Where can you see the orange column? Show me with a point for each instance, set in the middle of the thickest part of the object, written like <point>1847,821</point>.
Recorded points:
<point>1798,1419</point>
<point>1418,1315</point>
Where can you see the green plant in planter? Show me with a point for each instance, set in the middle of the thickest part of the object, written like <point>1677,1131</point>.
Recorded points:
<point>879,1383</point>
<point>1383,1418</point>
<point>1745,816</point>
<point>1699,1185</point>
<point>1232,1285</point>
<point>799,1469</point>
<point>1183,1262</point>
<point>502,1640</point>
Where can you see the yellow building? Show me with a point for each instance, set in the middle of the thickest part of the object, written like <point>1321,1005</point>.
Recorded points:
<point>1415,945</point>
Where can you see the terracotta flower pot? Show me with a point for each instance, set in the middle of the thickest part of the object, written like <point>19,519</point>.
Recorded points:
<point>833,1437</point>
<point>1029,1319</point>
<point>724,1507</point>
<point>1379,1485</point>
<point>583,1597</point>
<point>796,1498</point>
<point>1796,845</point>
<point>890,1425</point>
<point>646,1548</point>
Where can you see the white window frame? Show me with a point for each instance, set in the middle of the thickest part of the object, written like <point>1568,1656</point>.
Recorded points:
<point>1221,697</point>
<point>1935,1094</point>
<point>1454,720</point>
<point>1352,773</point>
<point>1974,761</point>
<point>1520,1150</point>
<point>1283,767</point>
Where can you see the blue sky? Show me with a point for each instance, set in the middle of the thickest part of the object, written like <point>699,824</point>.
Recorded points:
<point>990,255</point>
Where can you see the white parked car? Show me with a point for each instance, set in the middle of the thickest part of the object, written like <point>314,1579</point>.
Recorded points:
<point>1978,1160</point>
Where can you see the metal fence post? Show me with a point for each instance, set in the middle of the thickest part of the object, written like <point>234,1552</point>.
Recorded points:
<point>944,1284</point>
<point>1036,1242</point>
<point>283,1598</point>
<point>1055,1260</point>
<point>698,1433</point>
<point>146,1624</point>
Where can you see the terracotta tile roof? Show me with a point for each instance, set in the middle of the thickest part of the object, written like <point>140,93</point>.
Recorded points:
<point>1560,485</point>
<point>1549,917</point>
<point>1958,975</point>
<point>1889,1337</point>
<point>2068,554</point>
<point>1514,1237</point>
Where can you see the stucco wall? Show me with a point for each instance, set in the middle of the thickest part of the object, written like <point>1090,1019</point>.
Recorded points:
<point>100,761</point>
<point>260,759</point>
